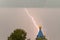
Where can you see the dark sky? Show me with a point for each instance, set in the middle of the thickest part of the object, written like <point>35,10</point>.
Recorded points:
<point>30,3</point>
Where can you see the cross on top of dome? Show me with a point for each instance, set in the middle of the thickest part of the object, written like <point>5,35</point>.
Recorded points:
<point>40,27</point>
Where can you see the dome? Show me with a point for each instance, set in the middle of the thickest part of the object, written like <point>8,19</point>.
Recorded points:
<point>40,34</point>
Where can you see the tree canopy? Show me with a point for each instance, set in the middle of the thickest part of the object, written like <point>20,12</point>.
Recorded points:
<point>18,34</point>
<point>41,38</point>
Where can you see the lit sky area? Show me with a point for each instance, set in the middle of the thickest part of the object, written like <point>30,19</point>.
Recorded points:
<point>12,18</point>
<point>30,3</point>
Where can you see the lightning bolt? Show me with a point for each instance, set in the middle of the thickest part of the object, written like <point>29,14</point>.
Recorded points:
<point>34,22</point>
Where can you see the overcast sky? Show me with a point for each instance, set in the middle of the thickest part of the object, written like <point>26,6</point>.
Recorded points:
<point>30,3</point>
<point>12,18</point>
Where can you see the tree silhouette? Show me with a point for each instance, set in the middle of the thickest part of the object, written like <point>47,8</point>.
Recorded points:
<point>41,38</point>
<point>18,34</point>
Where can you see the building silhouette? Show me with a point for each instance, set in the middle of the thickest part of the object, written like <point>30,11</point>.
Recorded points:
<point>40,35</point>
